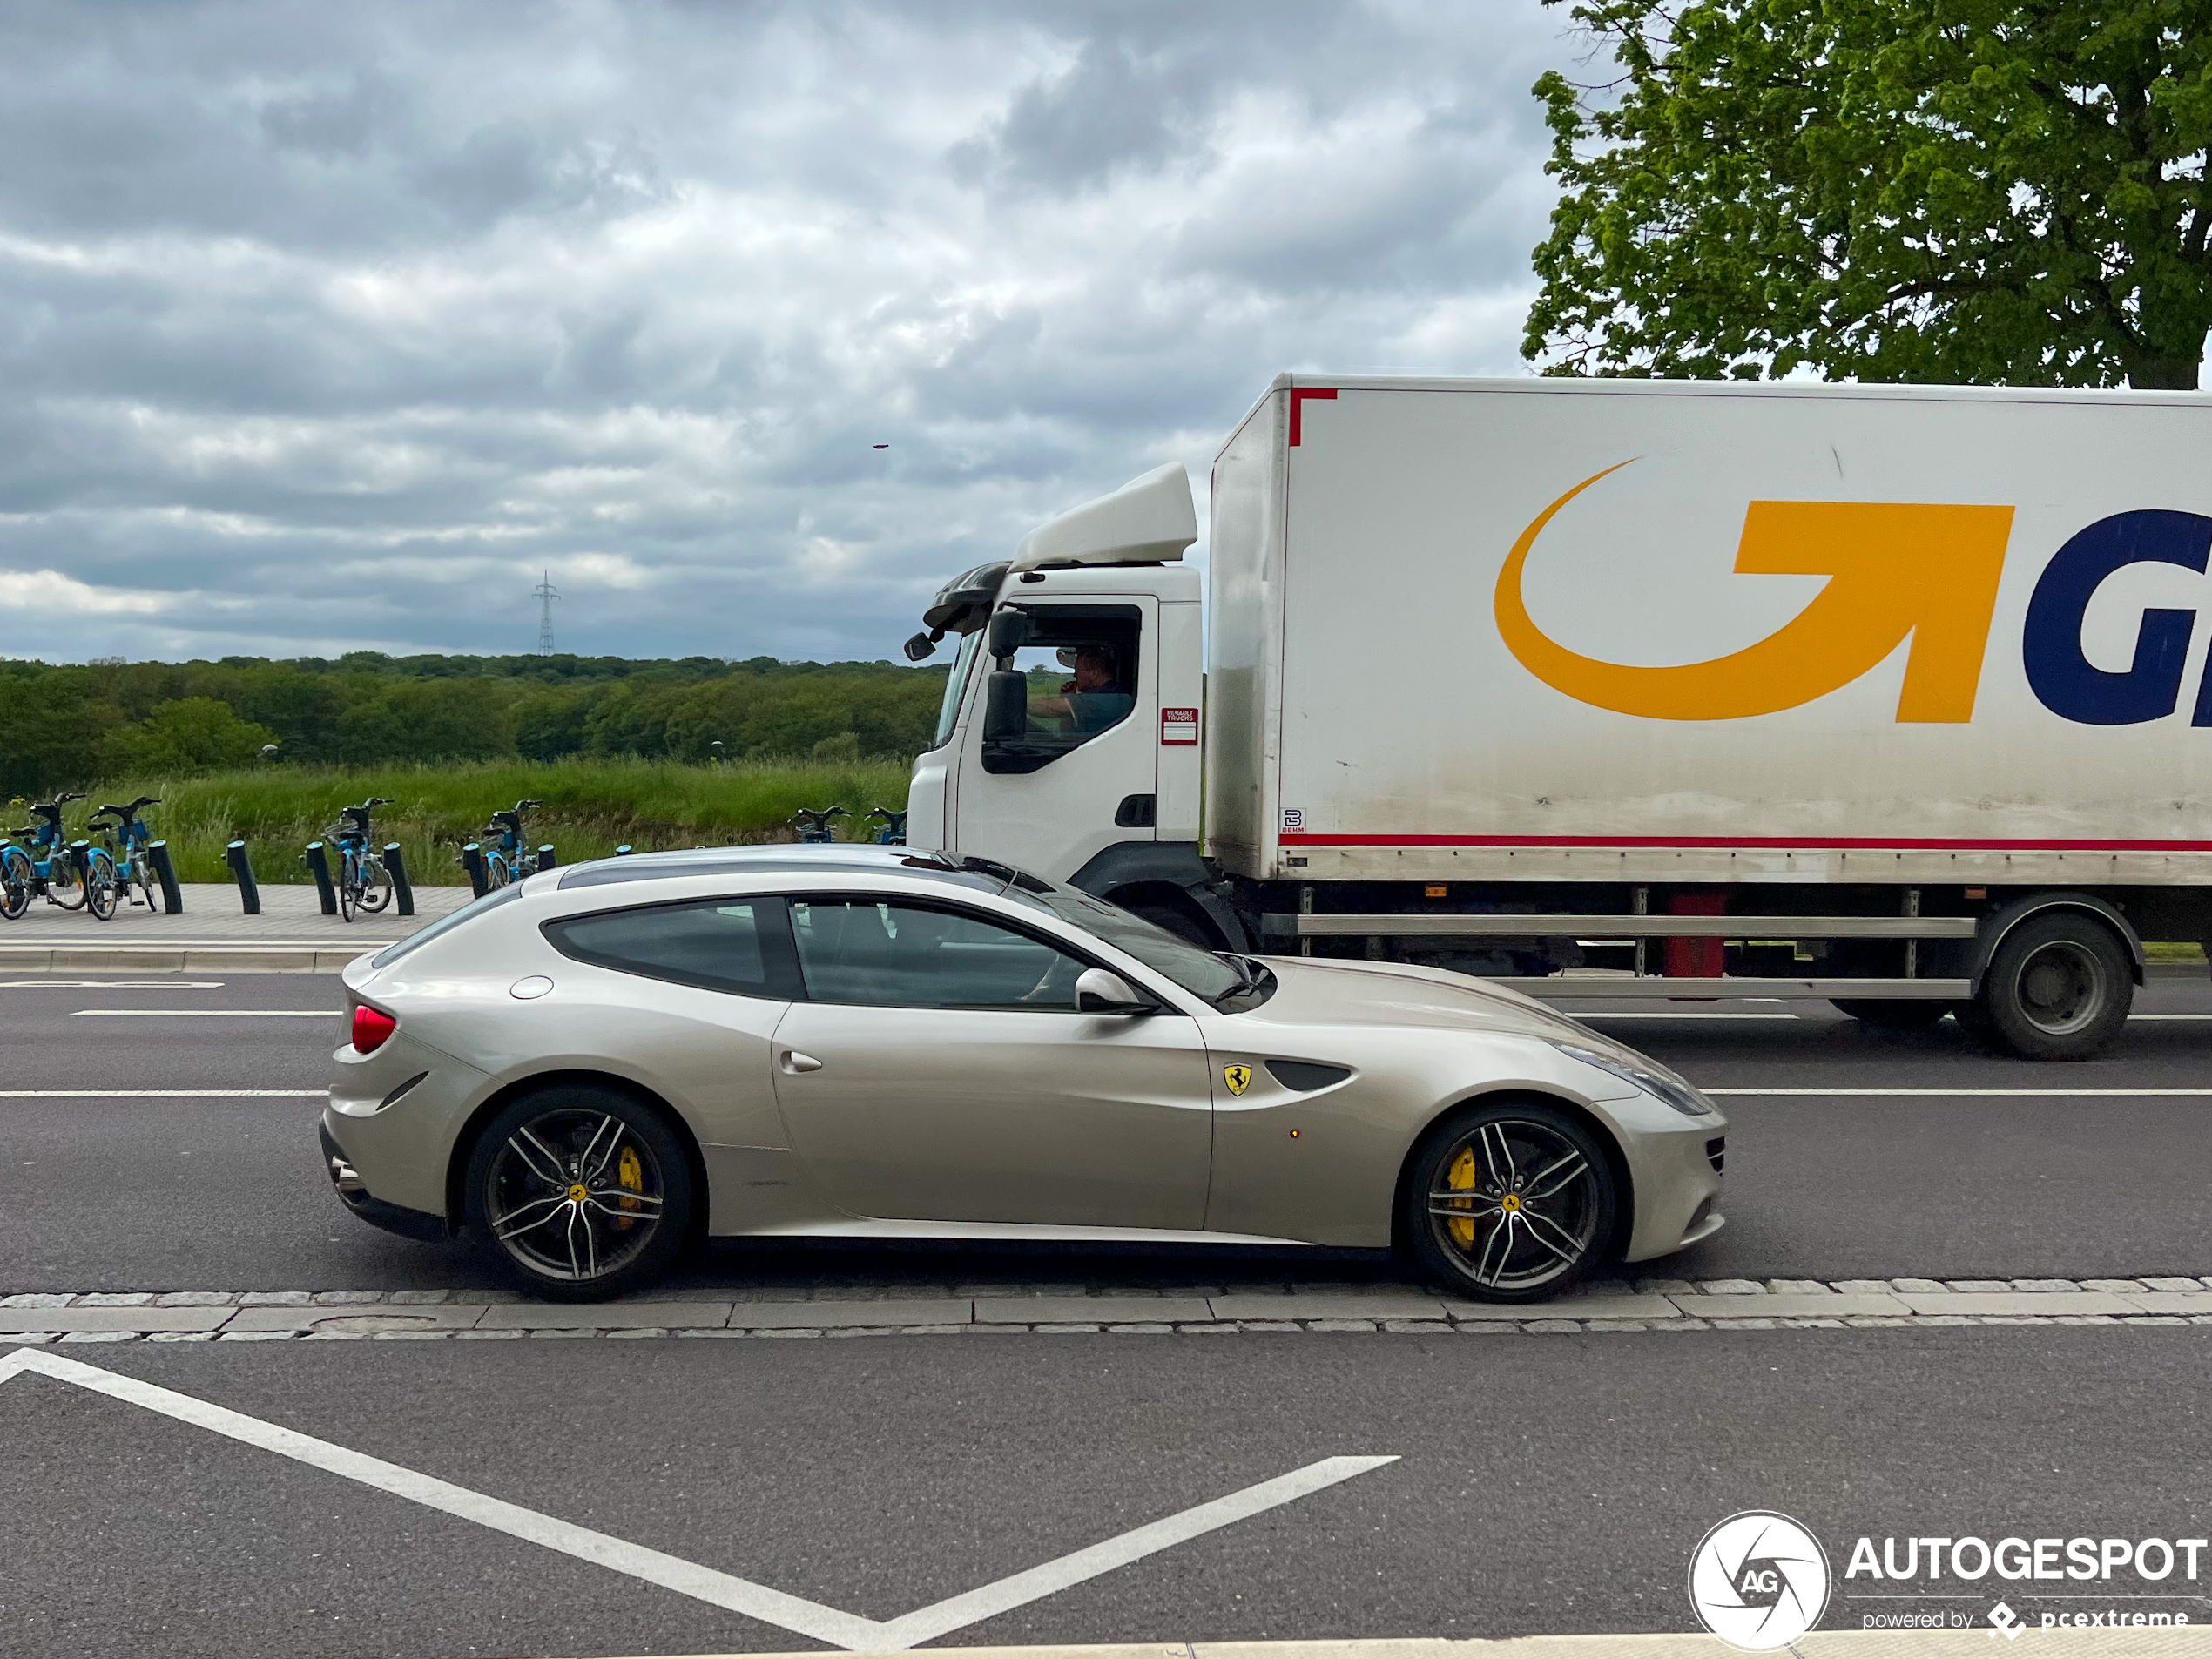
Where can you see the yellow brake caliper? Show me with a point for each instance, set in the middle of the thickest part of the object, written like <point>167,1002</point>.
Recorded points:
<point>1463,1177</point>
<point>631,1174</point>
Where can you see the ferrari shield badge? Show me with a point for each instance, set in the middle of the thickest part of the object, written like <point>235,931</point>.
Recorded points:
<point>1240,1078</point>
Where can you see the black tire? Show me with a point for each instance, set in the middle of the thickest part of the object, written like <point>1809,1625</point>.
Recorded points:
<point>14,885</point>
<point>102,891</point>
<point>585,1250</point>
<point>376,888</point>
<point>2059,987</point>
<point>1182,921</point>
<point>1892,1015</point>
<point>1505,1155</point>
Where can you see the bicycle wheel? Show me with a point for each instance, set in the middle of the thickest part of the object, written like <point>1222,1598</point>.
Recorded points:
<point>376,885</point>
<point>142,873</point>
<point>15,882</point>
<point>65,881</point>
<point>102,891</point>
<point>497,874</point>
<point>349,889</point>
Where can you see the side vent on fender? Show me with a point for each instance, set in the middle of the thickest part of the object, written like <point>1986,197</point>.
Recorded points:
<point>1306,1076</point>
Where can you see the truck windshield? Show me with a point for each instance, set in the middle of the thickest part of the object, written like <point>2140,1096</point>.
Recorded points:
<point>955,683</point>
<point>1193,966</point>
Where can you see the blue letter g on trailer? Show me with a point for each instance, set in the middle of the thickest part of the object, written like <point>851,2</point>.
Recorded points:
<point>2064,680</point>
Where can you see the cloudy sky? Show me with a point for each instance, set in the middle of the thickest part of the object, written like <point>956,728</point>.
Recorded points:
<point>328,327</point>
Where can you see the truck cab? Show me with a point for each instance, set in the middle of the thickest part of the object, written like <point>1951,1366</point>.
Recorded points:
<point>1069,741</point>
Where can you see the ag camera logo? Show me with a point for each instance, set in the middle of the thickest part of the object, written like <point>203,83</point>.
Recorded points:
<point>1758,1581</point>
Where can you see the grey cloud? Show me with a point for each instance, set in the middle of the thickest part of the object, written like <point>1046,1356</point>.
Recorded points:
<point>329,328</point>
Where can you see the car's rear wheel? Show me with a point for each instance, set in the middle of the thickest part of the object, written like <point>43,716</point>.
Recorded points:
<point>581,1193</point>
<point>1510,1202</point>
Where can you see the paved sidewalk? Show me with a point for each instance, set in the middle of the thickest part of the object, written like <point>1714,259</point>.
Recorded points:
<point>212,934</point>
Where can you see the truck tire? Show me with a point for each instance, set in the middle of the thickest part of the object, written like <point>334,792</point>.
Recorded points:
<point>1182,921</point>
<point>2058,989</point>
<point>1890,1014</point>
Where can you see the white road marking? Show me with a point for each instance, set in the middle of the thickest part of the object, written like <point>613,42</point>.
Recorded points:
<point>1971,1094</point>
<point>206,1014</point>
<point>111,985</point>
<point>164,1094</point>
<point>2170,1016</point>
<point>725,1590</point>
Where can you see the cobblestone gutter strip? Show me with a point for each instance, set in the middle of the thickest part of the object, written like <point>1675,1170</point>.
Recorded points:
<point>1901,1304</point>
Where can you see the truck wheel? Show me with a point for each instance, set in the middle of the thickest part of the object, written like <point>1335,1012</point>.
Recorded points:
<point>1889,1015</point>
<point>1179,919</point>
<point>2058,989</point>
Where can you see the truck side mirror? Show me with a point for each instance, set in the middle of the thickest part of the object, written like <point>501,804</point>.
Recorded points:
<point>1006,705</point>
<point>921,646</point>
<point>1010,632</point>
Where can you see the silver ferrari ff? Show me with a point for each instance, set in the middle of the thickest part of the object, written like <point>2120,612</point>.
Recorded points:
<point>589,1070</point>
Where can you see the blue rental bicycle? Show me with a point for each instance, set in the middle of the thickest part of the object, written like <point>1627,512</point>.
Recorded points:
<point>893,832</point>
<point>74,874</point>
<point>363,883</point>
<point>814,828</point>
<point>128,841</point>
<point>508,854</point>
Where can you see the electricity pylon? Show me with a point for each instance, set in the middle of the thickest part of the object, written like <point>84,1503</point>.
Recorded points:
<point>544,594</point>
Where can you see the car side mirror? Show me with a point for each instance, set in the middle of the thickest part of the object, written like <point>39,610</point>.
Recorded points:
<point>1006,705</point>
<point>1010,632</point>
<point>1098,991</point>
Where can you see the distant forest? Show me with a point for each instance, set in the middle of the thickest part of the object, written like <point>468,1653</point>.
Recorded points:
<point>62,725</point>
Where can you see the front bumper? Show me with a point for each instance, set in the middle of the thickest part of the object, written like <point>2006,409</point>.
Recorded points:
<point>354,1193</point>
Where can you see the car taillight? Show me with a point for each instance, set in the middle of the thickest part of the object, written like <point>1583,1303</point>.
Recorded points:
<point>371,1026</point>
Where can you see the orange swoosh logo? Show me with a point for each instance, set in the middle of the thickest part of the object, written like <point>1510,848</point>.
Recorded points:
<point>1895,570</point>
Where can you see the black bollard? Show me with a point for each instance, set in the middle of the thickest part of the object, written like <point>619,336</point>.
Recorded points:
<point>318,868</point>
<point>472,861</point>
<point>545,858</point>
<point>249,892</point>
<point>164,872</point>
<point>395,866</point>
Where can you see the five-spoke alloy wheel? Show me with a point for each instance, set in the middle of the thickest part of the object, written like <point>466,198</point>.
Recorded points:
<point>581,1193</point>
<point>1509,1202</point>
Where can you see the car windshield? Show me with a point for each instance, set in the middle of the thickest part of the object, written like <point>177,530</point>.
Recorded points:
<point>1194,967</point>
<point>948,710</point>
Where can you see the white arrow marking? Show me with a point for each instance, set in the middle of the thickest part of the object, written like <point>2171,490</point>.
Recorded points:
<point>725,1590</point>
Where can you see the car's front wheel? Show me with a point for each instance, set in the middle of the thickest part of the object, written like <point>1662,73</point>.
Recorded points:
<point>581,1193</point>
<point>1512,1200</point>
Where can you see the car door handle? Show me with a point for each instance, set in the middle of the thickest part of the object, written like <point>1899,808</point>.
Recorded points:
<point>795,1062</point>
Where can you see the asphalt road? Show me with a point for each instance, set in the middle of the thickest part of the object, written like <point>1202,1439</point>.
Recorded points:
<point>110,1192</point>
<point>1544,1485</point>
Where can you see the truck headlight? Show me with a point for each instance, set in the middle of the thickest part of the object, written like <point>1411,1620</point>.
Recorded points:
<point>1676,1093</point>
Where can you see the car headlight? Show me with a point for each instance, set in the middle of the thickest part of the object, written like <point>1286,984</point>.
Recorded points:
<point>1676,1093</point>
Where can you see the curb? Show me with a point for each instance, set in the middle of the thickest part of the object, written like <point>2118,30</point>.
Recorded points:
<point>34,1317</point>
<point>183,959</point>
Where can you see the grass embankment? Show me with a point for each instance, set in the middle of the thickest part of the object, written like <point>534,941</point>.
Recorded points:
<point>591,807</point>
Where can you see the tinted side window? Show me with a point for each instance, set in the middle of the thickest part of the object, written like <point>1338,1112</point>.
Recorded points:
<point>909,956</point>
<point>722,944</point>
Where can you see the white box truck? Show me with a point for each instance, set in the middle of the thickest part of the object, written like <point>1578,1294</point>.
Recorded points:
<point>1891,696</point>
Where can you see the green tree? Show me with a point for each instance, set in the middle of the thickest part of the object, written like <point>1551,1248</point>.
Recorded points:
<point>2004,191</point>
<point>177,739</point>
<point>429,720</point>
